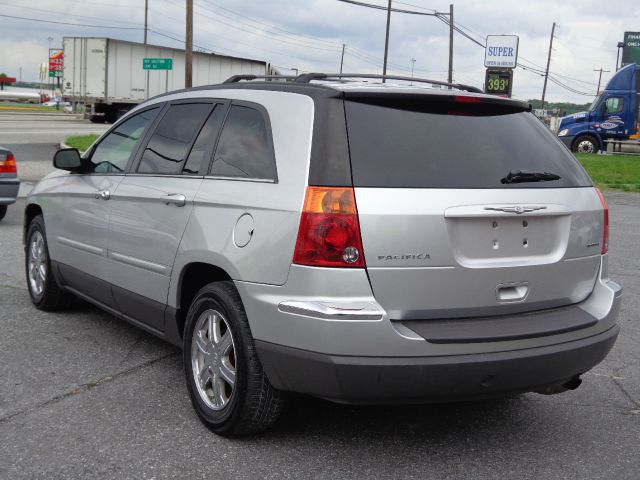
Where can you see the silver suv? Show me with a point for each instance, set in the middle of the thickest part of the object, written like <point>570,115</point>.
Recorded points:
<point>358,241</point>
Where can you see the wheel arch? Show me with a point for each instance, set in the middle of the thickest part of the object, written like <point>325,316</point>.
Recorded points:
<point>193,276</point>
<point>30,212</point>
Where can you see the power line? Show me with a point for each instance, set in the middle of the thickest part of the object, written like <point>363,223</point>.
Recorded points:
<point>380,7</point>
<point>69,23</point>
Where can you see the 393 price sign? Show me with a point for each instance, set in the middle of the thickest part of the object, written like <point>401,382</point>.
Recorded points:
<point>499,82</point>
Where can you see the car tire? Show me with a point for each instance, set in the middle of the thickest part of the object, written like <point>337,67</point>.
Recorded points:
<point>43,288</point>
<point>3,211</point>
<point>219,347</point>
<point>585,144</point>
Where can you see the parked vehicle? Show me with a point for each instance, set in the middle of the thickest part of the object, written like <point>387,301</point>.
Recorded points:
<point>359,242</point>
<point>9,183</point>
<point>56,103</point>
<point>614,114</point>
<point>107,74</point>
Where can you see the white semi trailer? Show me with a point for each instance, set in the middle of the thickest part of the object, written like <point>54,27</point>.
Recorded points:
<point>107,74</point>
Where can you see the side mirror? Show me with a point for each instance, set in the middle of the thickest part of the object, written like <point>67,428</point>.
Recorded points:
<point>68,159</point>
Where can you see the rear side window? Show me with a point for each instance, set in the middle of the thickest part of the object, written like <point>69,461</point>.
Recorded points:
<point>245,149</point>
<point>171,141</point>
<point>395,147</point>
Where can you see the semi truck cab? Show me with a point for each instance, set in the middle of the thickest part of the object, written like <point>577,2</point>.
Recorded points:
<point>613,114</point>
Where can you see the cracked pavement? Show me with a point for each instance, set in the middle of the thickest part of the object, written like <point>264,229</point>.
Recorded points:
<point>84,395</point>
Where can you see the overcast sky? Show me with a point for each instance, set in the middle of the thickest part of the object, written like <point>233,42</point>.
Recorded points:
<point>308,34</point>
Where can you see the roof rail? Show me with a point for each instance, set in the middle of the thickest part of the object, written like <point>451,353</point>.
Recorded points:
<point>308,77</point>
<point>239,78</point>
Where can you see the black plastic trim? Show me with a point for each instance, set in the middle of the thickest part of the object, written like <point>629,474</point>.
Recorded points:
<point>148,315</point>
<point>385,380</point>
<point>503,327</point>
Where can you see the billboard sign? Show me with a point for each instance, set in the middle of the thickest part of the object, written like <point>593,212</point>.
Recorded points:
<point>56,56</point>
<point>631,49</point>
<point>498,81</point>
<point>501,51</point>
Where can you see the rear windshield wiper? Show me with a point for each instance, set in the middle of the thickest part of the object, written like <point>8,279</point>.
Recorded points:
<point>520,176</point>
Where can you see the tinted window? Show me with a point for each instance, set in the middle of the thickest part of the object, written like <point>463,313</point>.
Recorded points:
<point>198,160</point>
<point>113,152</point>
<point>244,148</point>
<point>171,141</point>
<point>614,105</point>
<point>393,147</point>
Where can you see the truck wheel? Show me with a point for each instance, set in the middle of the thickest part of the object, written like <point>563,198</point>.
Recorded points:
<point>227,385</point>
<point>96,119</point>
<point>3,211</point>
<point>585,144</point>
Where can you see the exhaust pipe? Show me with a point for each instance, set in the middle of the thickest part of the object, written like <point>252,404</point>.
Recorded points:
<point>572,384</point>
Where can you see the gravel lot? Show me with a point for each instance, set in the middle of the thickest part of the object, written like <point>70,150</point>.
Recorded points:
<point>84,395</point>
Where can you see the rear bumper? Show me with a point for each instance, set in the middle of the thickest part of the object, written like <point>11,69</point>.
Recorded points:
<point>371,380</point>
<point>9,190</point>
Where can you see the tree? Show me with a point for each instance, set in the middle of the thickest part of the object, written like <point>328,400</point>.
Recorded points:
<point>4,75</point>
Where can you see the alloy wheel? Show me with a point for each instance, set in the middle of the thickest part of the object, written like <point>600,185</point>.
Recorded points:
<point>213,359</point>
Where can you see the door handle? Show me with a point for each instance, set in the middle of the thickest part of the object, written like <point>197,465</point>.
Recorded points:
<point>177,199</point>
<point>102,194</point>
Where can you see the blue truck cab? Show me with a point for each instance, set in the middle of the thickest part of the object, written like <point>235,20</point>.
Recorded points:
<point>614,114</point>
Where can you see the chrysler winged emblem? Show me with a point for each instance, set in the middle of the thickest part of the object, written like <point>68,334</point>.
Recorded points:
<point>516,209</point>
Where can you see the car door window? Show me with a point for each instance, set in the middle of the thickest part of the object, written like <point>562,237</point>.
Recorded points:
<point>614,105</point>
<point>245,149</point>
<point>172,139</point>
<point>113,152</point>
<point>200,154</point>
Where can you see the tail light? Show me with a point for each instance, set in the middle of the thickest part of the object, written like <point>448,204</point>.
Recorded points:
<point>605,234</point>
<point>8,164</point>
<point>329,234</point>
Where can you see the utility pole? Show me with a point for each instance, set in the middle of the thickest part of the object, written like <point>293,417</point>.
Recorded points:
<point>146,16</point>
<point>342,58</point>
<point>599,77</point>
<point>188,66</point>
<point>386,41</point>
<point>546,73</point>
<point>450,76</point>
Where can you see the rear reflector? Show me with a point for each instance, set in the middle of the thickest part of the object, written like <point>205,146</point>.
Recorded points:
<point>329,234</point>
<point>8,164</point>
<point>605,234</point>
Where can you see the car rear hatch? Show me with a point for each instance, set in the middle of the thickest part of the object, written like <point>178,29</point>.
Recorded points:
<point>460,210</point>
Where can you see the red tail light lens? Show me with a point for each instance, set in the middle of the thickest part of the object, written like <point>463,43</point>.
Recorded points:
<point>605,235</point>
<point>467,99</point>
<point>329,234</point>
<point>8,164</point>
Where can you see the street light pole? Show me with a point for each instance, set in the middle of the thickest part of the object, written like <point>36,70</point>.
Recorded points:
<point>413,62</point>
<point>620,45</point>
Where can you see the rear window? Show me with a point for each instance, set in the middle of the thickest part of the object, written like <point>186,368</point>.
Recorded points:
<point>397,147</point>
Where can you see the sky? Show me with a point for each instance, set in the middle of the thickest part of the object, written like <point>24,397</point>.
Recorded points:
<point>309,34</point>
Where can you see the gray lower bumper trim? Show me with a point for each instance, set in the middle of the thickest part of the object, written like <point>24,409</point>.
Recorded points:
<point>504,327</point>
<point>383,380</point>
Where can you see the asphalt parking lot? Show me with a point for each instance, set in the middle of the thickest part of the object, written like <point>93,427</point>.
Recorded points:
<point>84,395</point>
